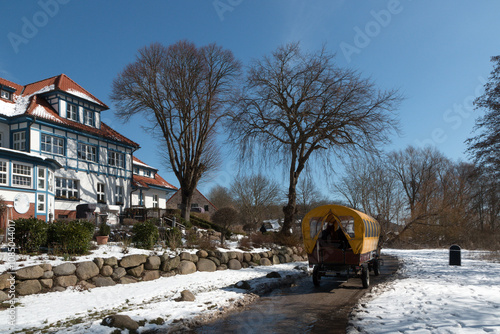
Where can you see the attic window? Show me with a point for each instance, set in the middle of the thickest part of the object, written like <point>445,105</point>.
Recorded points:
<point>6,95</point>
<point>71,111</point>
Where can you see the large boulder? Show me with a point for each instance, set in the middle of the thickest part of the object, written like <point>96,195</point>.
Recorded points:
<point>120,321</point>
<point>265,262</point>
<point>86,270</point>
<point>194,258</point>
<point>48,274</point>
<point>106,271</point>
<point>186,296</point>
<point>46,266</point>
<point>185,256</point>
<point>223,257</point>
<point>103,281</point>
<point>110,261</point>
<point>234,264</point>
<point>150,275</point>
<point>136,271</point>
<point>206,265</point>
<point>47,283</point>
<point>65,281</point>
<point>275,259</point>
<point>202,253</point>
<point>186,267</point>
<point>152,263</point>
<point>171,263</point>
<point>215,260</point>
<point>255,257</point>
<point>247,257</point>
<point>99,261</point>
<point>64,269</point>
<point>28,287</point>
<point>3,296</point>
<point>134,260</point>
<point>118,273</point>
<point>5,280</point>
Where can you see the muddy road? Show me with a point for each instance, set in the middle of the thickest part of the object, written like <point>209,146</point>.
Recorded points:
<point>303,308</point>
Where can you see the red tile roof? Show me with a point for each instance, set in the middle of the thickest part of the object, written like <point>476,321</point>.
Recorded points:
<point>145,182</point>
<point>40,108</point>
<point>5,82</point>
<point>63,83</point>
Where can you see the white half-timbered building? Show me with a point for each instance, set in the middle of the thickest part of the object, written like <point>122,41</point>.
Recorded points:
<point>56,153</point>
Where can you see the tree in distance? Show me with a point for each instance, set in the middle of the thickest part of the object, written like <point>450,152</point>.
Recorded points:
<point>485,147</point>
<point>225,217</point>
<point>299,109</point>
<point>182,90</point>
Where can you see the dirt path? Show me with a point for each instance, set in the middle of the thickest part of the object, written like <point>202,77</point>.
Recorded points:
<point>302,308</point>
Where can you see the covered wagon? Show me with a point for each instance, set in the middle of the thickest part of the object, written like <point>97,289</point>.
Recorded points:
<point>337,239</point>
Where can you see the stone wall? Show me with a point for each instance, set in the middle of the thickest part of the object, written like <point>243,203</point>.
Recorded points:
<point>135,268</point>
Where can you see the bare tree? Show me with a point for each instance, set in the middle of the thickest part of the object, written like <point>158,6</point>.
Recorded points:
<point>225,217</point>
<point>182,91</point>
<point>253,196</point>
<point>221,197</point>
<point>298,107</point>
<point>419,172</point>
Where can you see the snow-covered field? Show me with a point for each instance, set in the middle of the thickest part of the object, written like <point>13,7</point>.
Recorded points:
<point>429,296</point>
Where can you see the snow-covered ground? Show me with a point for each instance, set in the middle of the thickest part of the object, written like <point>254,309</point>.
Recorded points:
<point>81,311</point>
<point>429,296</point>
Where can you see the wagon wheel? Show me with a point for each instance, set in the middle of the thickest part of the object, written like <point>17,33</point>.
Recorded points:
<point>316,275</point>
<point>376,267</point>
<point>365,276</point>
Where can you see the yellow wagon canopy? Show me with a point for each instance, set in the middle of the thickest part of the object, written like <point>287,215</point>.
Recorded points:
<point>362,231</point>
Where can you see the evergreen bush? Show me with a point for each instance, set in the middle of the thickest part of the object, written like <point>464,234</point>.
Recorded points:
<point>72,237</point>
<point>145,235</point>
<point>30,234</point>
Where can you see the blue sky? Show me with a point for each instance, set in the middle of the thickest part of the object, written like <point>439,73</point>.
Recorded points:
<point>436,52</point>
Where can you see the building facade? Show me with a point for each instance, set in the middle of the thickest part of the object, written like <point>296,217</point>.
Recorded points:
<point>56,153</point>
<point>149,189</point>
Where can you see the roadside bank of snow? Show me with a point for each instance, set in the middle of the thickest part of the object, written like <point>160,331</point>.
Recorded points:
<point>430,296</point>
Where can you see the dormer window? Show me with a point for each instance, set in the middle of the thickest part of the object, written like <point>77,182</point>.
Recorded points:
<point>6,95</point>
<point>88,118</point>
<point>147,173</point>
<point>71,111</point>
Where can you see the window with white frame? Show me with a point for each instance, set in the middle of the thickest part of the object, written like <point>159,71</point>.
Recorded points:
<point>71,111</point>
<point>3,172</point>
<point>136,170</point>
<point>119,195</point>
<point>51,144</point>
<point>87,152</point>
<point>147,173</point>
<point>66,188</point>
<point>19,140</point>
<point>155,201</point>
<point>88,117</point>
<point>101,193</point>
<point>41,178</point>
<point>21,175</point>
<point>6,95</point>
<point>116,159</point>
<point>41,203</point>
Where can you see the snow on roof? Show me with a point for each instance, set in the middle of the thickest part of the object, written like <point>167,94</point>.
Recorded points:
<point>142,164</point>
<point>40,111</point>
<point>82,95</point>
<point>22,102</point>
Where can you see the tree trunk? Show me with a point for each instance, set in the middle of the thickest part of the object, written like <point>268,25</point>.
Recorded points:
<point>291,208</point>
<point>186,203</point>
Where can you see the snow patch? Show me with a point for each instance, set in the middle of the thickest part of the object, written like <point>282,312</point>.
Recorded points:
<point>83,96</point>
